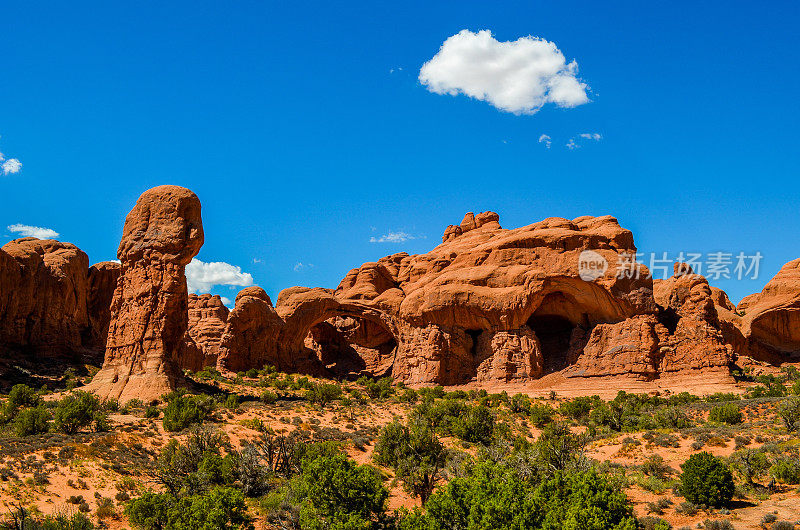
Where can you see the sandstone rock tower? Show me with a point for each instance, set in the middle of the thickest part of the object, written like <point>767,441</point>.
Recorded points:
<point>149,311</point>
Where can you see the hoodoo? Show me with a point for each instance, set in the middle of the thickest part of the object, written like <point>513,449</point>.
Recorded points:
<point>149,311</point>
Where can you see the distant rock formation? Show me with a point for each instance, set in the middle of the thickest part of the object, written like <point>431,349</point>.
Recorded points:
<point>43,298</point>
<point>149,311</point>
<point>766,325</point>
<point>486,305</point>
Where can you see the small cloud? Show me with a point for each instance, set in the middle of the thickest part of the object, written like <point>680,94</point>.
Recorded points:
<point>226,301</point>
<point>393,70</point>
<point>299,266</point>
<point>201,276</point>
<point>571,145</point>
<point>10,166</point>
<point>33,231</point>
<point>392,237</point>
<point>256,260</point>
<point>518,76</point>
<point>592,136</point>
<point>546,140</point>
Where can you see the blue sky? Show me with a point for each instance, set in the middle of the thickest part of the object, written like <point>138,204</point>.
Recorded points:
<point>304,130</point>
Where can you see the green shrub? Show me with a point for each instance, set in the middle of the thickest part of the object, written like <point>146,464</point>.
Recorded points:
<point>152,412</point>
<point>75,411</point>
<point>269,397</point>
<point>184,410</point>
<point>541,414</point>
<point>786,470</point>
<point>338,493</point>
<point>520,403</point>
<point>579,407</point>
<point>33,420</point>
<point>789,412</point>
<point>23,396</point>
<point>707,480</point>
<point>727,413</point>
<point>323,393</point>
<point>495,496</point>
<point>415,453</point>
<point>671,418</point>
<point>221,508</point>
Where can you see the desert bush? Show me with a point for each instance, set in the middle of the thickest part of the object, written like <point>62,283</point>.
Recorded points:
<point>23,396</point>
<point>338,493</point>
<point>789,412</point>
<point>719,524</point>
<point>269,397</point>
<point>377,389</point>
<point>323,393</point>
<point>75,411</point>
<point>541,414</point>
<point>495,496</point>
<point>727,413</point>
<point>671,418</point>
<point>653,523</point>
<point>152,412</point>
<point>786,470</point>
<point>655,466</point>
<point>409,395</point>
<point>520,403</point>
<point>579,407</point>
<point>184,410</point>
<point>706,479</point>
<point>34,420</point>
<point>221,508</point>
<point>415,453</point>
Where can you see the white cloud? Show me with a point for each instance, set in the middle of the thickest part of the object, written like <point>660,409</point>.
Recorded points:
<point>33,231</point>
<point>226,301</point>
<point>392,237</point>
<point>299,266</point>
<point>592,136</point>
<point>572,145</point>
<point>256,260</point>
<point>201,276</point>
<point>546,140</point>
<point>517,76</point>
<point>12,165</point>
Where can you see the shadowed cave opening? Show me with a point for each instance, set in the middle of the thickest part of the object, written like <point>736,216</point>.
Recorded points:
<point>350,347</point>
<point>554,321</point>
<point>554,333</point>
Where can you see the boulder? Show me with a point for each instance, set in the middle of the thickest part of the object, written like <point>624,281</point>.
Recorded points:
<point>149,311</point>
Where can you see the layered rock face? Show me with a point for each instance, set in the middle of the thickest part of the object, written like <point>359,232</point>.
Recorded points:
<point>766,325</point>
<point>208,317</point>
<point>43,298</point>
<point>149,311</point>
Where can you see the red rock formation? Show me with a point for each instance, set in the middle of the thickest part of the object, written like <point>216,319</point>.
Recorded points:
<point>43,298</point>
<point>769,321</point>
<point>149,312</point>
<point>486,304</point>
<point>250,339</point>
<point>208,317</point>
<point>102,283</point>
<point>685,336</point>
